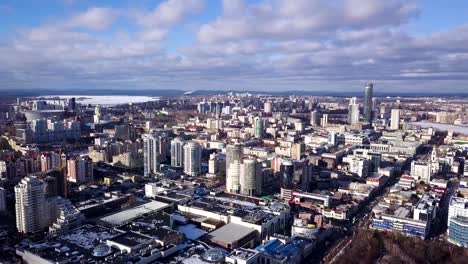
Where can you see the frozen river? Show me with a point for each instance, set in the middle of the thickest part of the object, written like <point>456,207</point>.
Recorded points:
<point>108,100</point>
<point>443,127</point>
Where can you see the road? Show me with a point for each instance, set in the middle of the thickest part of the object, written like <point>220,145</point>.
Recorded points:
<point>361,220</point>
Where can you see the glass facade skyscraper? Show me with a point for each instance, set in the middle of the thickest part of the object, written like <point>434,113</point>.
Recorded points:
<point>368,95</point>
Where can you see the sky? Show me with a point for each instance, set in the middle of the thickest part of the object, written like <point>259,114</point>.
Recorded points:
<point>268,45</point>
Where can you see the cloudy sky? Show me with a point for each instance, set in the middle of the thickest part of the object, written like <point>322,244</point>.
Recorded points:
<point>400,45</point>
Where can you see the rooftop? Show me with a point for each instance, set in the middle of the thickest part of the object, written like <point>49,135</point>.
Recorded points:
<point>230,233</point>
<point>132,213</point>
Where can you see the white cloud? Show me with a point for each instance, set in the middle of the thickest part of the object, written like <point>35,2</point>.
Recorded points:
<point>270,44</point>
<point>95,18</point>
<point>170,13</point>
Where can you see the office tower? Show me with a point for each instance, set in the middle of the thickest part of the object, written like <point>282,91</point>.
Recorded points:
<point>31,205</point>
<point>314,118</point>
<point>202,107</point>
<point>218,109</point>
<point>250,178</point>
<point>213,164</point>
<point>153,152</point>
<point>458,221</point>
<point>395,119</point>
<point>177,152</point>
<point>375,103</point>
<point>2,201</point>
<point>80,170</point>
<point>122,132</point>
<point>258,127</point>
<point>332,138</point>
<point>72,104</point>
<point>97,114</point>
<point>368,95</point>
<point>353,111</point>
<point>287,175</point>
<point>50,186</point>
<point>324,120</point>
<point>307,177</point>
<point>267,107</point>
<point>192,158</point>
<point>233,163</point>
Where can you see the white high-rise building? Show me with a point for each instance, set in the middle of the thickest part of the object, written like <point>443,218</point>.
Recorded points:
<point>213,164</point>
<point>267,107</point>
<point>314,118</point>
<point>153,151</point>
<point>353,111</point>
<point>177,152</point>
<point>31,205</point>
<point>192,158</point>
<point>233,164</point>
<point>395,122</point>
<point>324,120</point>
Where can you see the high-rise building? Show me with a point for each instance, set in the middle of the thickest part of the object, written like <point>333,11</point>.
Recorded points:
<point>267,107</point>
<point>2,200</point>
<point>368,95</point>
<point>324,120</point>
<point>233,163</point>
<point>250,178</point>
<point>212,164</point>
<point>80,170</point>
<point>50,161</point>
<point>395,119</point>
<point>458,221</point>
<point>177,152</point>
<point>258,128</point>
<point>353,111</point>
<point>287,175</point>
<point>192,158</point>
<point>314,118</point>
<point>154,152</point>
<point>31,205</point>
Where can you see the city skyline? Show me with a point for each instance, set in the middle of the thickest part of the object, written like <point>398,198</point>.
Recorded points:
<point>401,46</point>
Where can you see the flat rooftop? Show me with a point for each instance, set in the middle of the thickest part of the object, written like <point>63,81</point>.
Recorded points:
<point>230,233</point>
<point>132,213</point>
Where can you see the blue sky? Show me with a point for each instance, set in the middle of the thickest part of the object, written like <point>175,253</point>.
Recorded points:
<point>406,45</point>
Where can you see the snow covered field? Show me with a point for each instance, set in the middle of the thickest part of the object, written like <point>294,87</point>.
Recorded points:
<point>108,100</point>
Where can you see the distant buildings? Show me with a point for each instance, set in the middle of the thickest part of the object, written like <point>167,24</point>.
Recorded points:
<point>49,131</point>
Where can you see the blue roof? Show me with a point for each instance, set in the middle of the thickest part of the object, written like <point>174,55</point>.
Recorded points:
<point>276,247</point>
<point>270,246</point>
